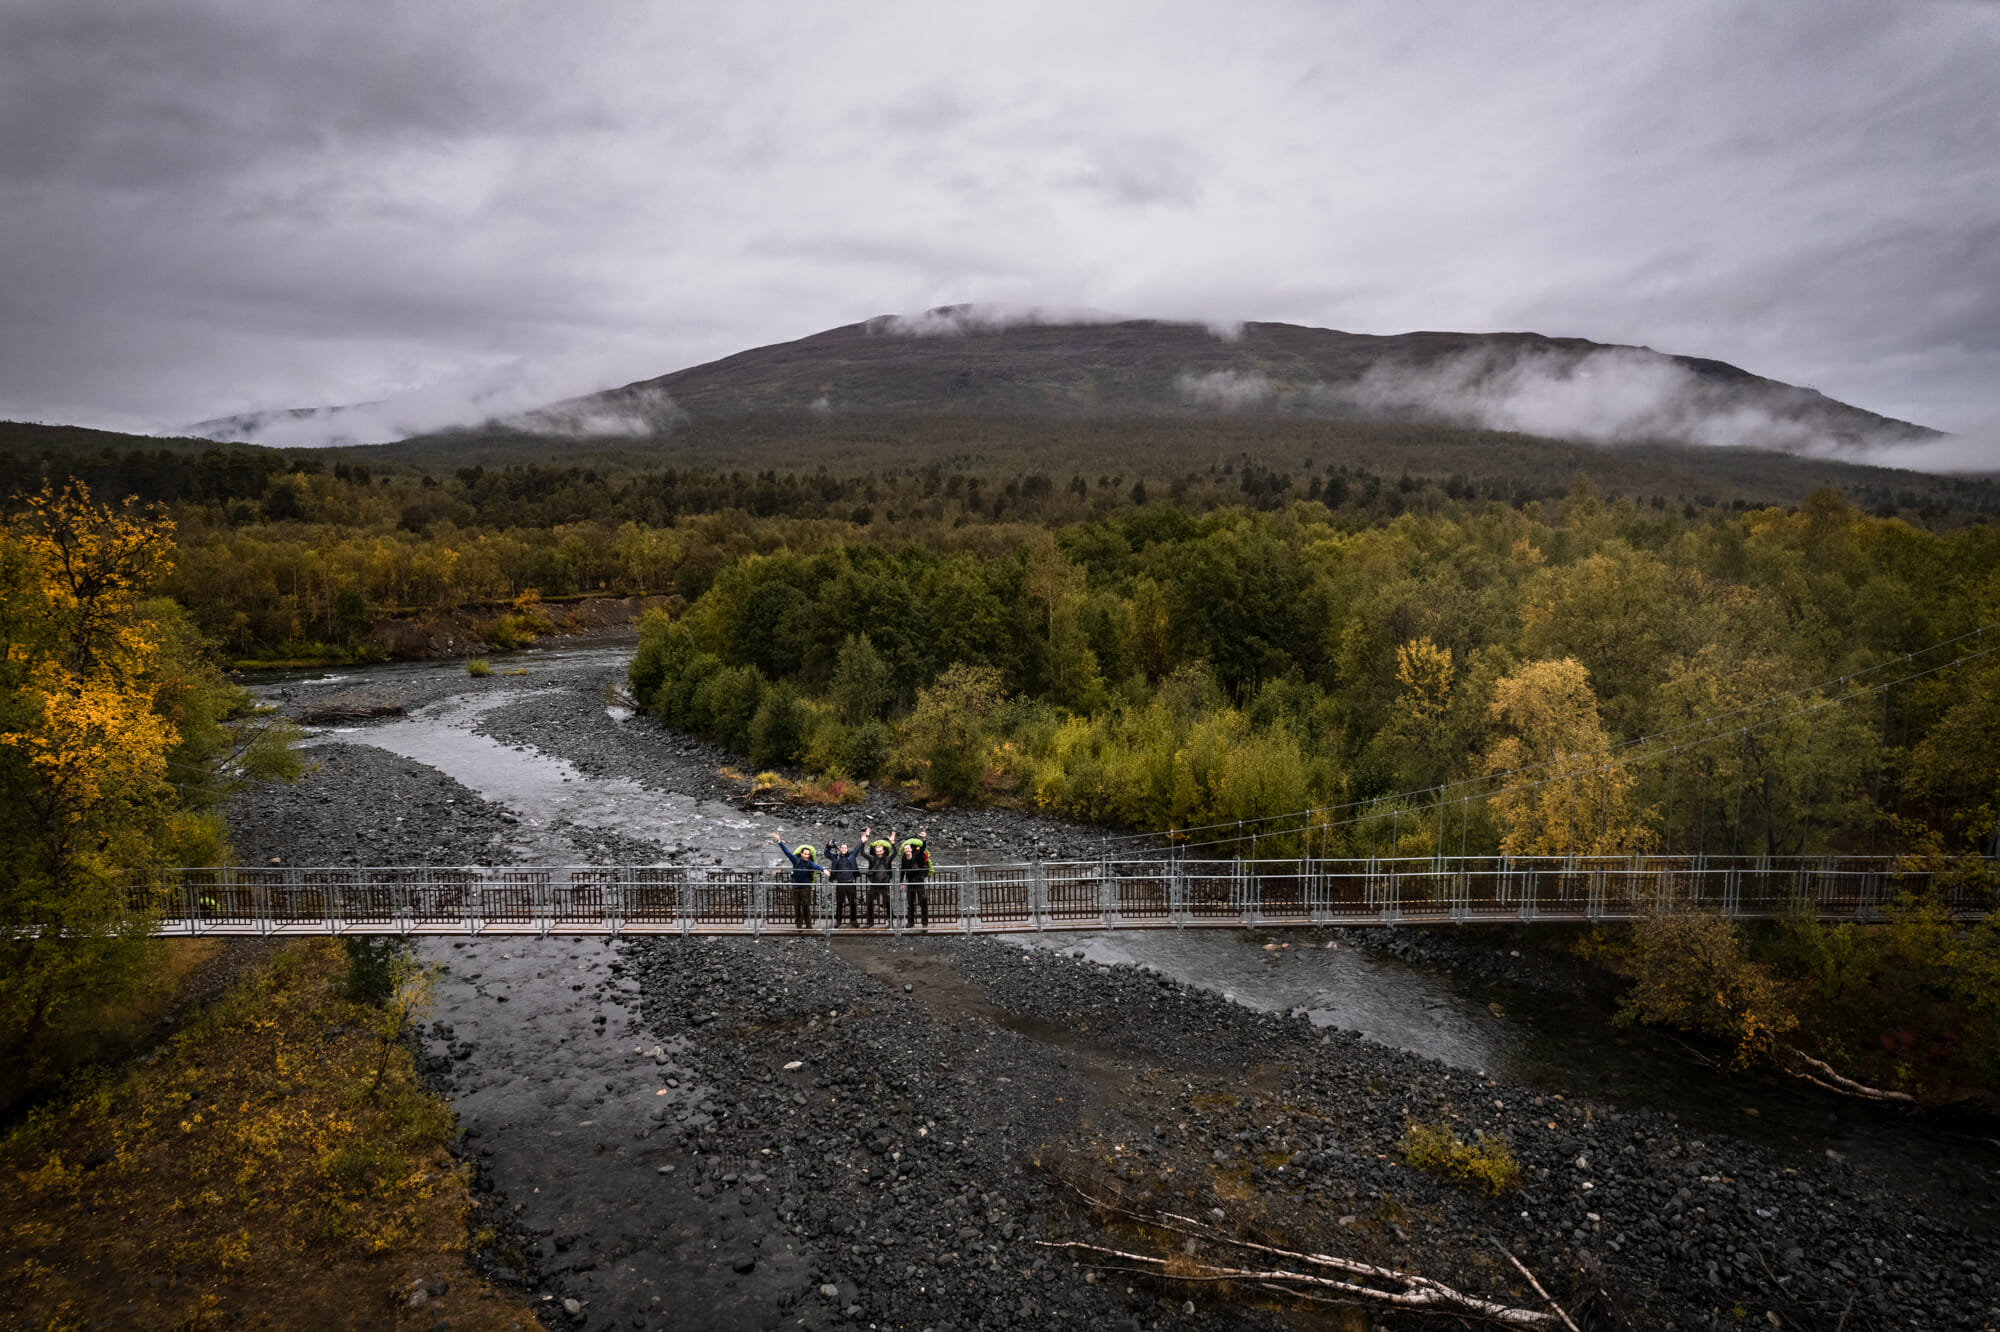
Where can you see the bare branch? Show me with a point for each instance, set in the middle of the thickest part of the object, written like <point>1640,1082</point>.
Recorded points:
<point>1834,1081</point>
<point>1420,1292</point>
<point>1522,1269</point>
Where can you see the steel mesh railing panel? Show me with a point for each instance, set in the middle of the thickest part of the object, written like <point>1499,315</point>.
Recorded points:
<point>946,893</point>
<point>1343,888</point>
<point>587,898</point>
<point>1211,887</point>
<point>1005,893</point>
<point>1075,891</point>
<point>440,896</point>
<point>1415,889</point>
<point>725,896</point>
<point>1281,889</point>
<point>653,894</point>
<point>1119,893</point>
<point>513,896</point>
<point>1141,889</point>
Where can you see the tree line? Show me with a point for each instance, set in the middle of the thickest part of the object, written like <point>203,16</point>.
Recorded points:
<point>1156,668</point>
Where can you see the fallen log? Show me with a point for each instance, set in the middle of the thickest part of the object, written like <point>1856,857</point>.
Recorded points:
<point>334,712</point>
<point>1417,1292</point>
<point>1834,1081</point>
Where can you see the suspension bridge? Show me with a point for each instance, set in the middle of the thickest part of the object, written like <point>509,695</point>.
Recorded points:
<point>1163,892</point>
<point>1213,876</point>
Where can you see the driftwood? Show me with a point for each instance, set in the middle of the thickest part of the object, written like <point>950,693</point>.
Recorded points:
<point>1520,1267</point>
<point>1364,1282</point>
<point>338,712</point>
<point>1826,1076</point>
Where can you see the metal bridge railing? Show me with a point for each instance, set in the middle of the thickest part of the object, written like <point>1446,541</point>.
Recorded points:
<point>1163,891</point>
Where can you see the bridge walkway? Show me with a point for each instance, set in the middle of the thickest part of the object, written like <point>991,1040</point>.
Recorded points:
<point>1159,892</point>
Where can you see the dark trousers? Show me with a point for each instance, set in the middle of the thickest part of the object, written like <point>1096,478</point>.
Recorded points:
<point>843,903</point>
<point>877,892</point>
<point>920,899</point>
<point>802,905</point>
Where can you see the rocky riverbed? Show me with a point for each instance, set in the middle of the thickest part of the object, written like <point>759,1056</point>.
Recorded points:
<point>787,1132</point>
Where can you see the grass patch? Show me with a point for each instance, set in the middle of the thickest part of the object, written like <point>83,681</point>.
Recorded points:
<point>276,1162</point>
<point>479,668</point>
<point>1488,1164</point>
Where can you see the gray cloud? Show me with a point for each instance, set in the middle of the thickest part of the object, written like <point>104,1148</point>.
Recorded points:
<point>1226,390</point>
<point>950,321</point>
<point>219,206</point>
<point>1617,396</point>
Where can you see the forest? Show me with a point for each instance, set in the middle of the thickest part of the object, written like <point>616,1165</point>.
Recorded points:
<point>1157,668</point>
<point>1308,656</point>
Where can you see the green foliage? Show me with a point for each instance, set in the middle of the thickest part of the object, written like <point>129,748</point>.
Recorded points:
<point>478,668</point>
<point>726,702</point>
<point>866,750</point>
<point>780,727</point>
<point>1911,1005</point>
<point>1357,659</point>
<point>1692,970</point>
<point>861,686</point>
<point>1488,1165</point>
<point>373,966</point>
<point>948,732</point>
<point>289,1153</point>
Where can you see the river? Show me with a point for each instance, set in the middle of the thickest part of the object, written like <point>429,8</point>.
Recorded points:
<point>1552,1041</point>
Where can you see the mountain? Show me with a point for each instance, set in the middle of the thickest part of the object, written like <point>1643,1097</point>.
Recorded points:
<point>984,363</point>
<point>969,362</point>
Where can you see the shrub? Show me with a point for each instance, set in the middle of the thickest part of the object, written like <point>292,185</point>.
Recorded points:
<point>778,730</point>
<point>949,729</point>
<point>479,668</point>
<point>828,791</point>
<point>725,703</point>
<point>659,654</point>
<point>1691,970</point>
<point>372,967</point>
<point>861,687</point>
<point>866,750</point>
<point>1438,1149</point>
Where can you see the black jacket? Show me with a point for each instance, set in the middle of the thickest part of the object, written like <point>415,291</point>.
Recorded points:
<point>881,867</point>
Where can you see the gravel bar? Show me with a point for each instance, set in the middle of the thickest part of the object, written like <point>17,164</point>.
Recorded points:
<point>783,1132</point>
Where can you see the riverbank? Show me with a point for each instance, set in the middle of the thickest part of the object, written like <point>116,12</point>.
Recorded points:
<point>272,1165</point>
<point>451,633</point>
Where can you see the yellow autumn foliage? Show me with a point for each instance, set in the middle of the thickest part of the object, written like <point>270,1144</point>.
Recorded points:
<point>1559,793</point>
<point>110,727</point>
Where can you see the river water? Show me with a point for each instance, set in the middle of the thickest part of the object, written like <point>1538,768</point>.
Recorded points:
<point>1555,1042</point>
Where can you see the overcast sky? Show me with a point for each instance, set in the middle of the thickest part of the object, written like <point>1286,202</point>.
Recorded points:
<point>212,208</point>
